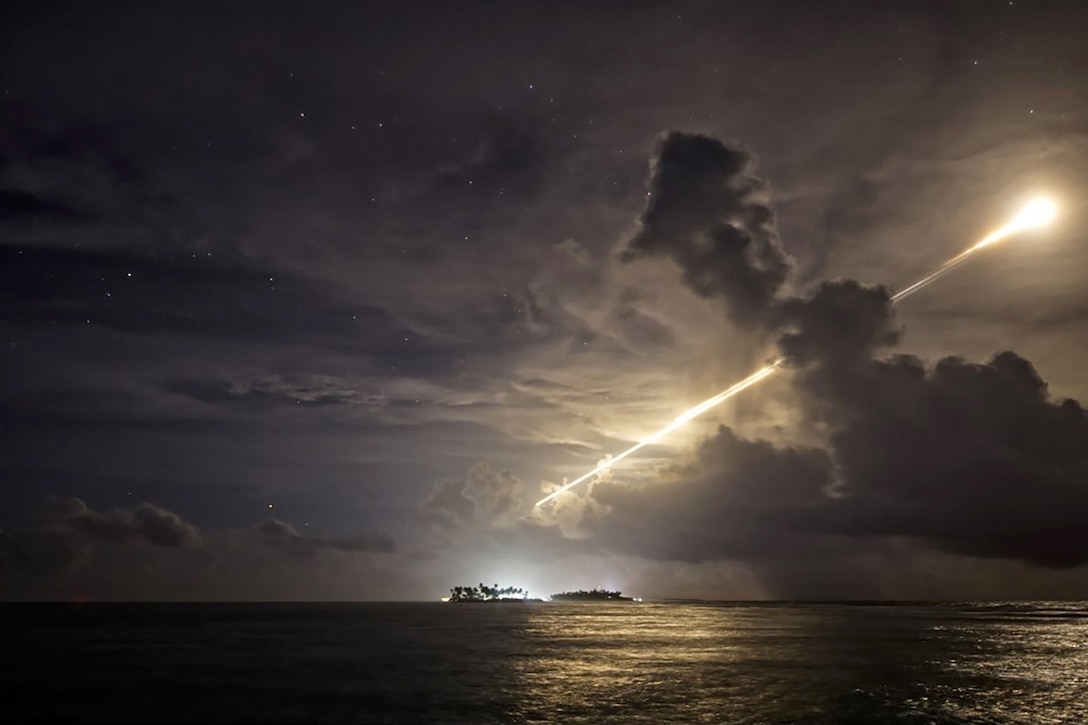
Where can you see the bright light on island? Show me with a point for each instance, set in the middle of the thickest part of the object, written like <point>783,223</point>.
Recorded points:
<point>485,593</point>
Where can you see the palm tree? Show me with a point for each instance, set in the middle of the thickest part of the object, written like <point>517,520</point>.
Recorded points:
<point>485,593</point>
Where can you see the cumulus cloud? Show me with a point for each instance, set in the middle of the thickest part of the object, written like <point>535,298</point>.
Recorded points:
<point>711,216</point>
<point>969,458</point>
<point>146,522</point>
<point>842,322</point>
<point>69,529</point>
<point>708,213</point>
<point>960,458</point>
<point>484,496</point>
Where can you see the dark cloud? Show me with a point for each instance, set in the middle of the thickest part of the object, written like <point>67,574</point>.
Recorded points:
<point>16,204</point>
<point>146,522</point>
<point>841,322</point>
<point>70,180</point>
<point>708,213</point>
<point>222,392</point>
<point>64,156</point>
<point>737,500</point>
<point>69,529</point>
<point>147,552</point>
<point>39,552</point>
<point>286,538</point>
<point>969,458</point>
<point>163,528</point>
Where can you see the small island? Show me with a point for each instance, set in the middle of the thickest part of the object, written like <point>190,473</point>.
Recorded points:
<point>593,595</point>
<point>484,593</point>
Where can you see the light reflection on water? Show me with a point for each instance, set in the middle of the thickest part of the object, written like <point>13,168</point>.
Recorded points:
<point>806,663</point>
<point>541,663</point>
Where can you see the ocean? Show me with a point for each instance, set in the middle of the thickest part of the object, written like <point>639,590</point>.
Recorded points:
<point>565,663</point>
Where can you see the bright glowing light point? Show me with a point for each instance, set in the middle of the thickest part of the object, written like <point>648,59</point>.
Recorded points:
<point>1037,213</point>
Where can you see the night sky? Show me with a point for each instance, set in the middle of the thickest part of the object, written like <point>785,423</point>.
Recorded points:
<point>314,300</point>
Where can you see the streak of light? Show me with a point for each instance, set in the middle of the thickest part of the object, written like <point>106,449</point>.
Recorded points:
<point>679,421</point>
<point>1038,213</point>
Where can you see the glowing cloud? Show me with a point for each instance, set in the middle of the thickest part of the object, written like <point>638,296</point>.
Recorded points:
<point>1037,213</point>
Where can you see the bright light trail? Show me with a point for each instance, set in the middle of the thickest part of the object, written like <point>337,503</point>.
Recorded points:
<point>680,420</point>
<point>1038,213</point>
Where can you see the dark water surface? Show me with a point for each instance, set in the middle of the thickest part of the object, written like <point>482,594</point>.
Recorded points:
<point>568,663</point>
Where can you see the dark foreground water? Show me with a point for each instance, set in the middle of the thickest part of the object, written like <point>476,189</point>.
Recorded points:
<point>563,663</point>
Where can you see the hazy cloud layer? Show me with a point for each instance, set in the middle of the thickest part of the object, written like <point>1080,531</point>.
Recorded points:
<point>287,538</point>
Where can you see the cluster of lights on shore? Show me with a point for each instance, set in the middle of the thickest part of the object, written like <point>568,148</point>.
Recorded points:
<point>1037,213</point>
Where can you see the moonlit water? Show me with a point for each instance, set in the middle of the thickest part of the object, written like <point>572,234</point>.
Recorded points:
<point>536,663</point>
